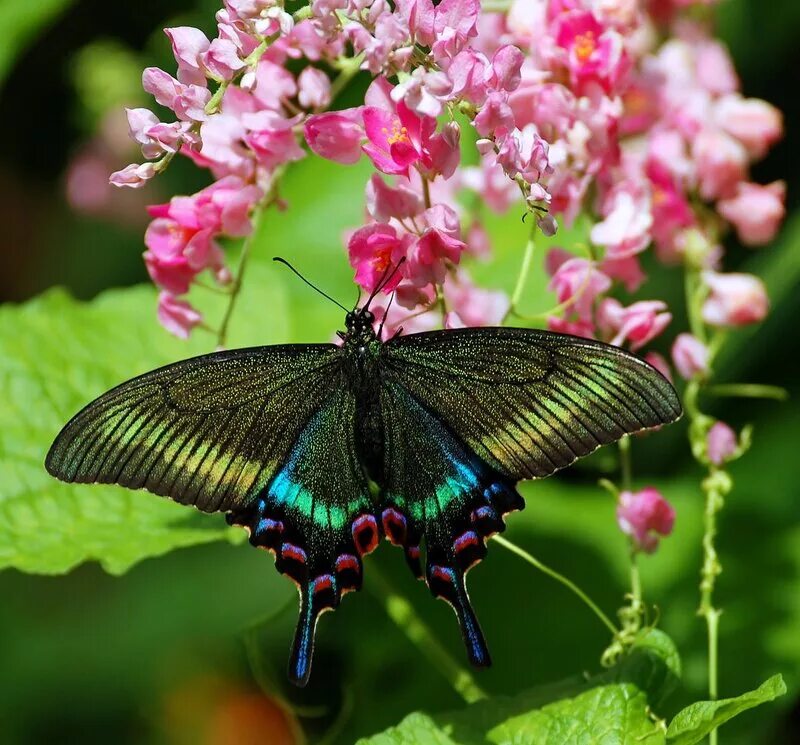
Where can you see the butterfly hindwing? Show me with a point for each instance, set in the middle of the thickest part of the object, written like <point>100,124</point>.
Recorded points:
<point>438,493</point>
<point>530,402</point>
<point>316,515</point>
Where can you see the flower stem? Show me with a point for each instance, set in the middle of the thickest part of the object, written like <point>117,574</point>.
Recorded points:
<point>269,199</point>
<point>426,191</point>
<point>522,277</point>
<point>748,390</point>
<point>625,465</point>
<point>404,616</point>
<point>569,584</point>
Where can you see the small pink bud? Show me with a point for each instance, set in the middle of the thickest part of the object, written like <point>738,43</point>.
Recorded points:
<point>755,211</point>
<point>133,176</point>
<point>177,316</point>
<point>314,89</point>
<point>721,443</point>
<point>336,135</point>
<point>755,123</point>
<point>690,356</point>
<point>644,515</point>
<point>735,299</point>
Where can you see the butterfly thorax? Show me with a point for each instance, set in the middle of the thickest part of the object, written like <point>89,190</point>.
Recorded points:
<point>362,352</point>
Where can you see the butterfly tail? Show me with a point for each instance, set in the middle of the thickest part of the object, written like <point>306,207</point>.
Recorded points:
<point>448,583</point>
<point>303,645</point>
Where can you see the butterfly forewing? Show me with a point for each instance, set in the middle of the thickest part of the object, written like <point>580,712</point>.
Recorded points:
<point>208,431</point>
<point>529,402</point>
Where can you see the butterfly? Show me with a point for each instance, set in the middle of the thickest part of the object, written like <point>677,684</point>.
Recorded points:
<point>320,450</point>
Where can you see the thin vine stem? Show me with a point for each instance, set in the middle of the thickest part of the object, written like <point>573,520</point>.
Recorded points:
<point>560,578</point>
<point>522,277</point>
<point>236,287</point>
<point>402,613</point>
<point>748,390</point>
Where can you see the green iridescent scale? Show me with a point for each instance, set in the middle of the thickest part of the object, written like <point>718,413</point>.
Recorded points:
<point>285,440</point>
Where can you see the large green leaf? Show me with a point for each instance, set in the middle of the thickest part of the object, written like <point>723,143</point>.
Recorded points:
<point>613,707</point>
<point>693,723</point>
<point>415,729</point>
<point>20,21</point>
<point>56,354</point>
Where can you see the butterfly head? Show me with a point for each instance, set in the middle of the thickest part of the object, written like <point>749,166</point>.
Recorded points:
<point>359,324</point>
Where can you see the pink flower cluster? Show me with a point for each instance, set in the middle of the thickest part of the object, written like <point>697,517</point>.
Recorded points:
<point>625,114</point>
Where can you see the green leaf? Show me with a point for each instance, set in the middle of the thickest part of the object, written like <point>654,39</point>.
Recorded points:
<point>693,723</point>
<point>604,714</point>
<point>20,21</point>
<point>56,354</point>
<point>415,729</point>
<point>613,707</point>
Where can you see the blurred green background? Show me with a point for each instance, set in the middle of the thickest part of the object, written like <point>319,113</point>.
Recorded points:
<point>180,649</point>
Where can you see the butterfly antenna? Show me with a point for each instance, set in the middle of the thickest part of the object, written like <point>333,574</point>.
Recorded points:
<point>384,281</point>
<point>385,313</point>
<point>310,284</point>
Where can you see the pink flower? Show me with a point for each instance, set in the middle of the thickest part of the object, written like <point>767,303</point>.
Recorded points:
<point>755,123</point>
<point>756,211</point>
<point>181,239</point>
<point>336,135</point>
<point>430,255</point>
<point>474,306</point>
<point>594,55</point>
<point>670,209</point>
<point>424,91</point>
<point>577,283</point>
<point>385,202</point>
<point>454,23</point>
<point>627,270</point>
<point>626,229</point>
<point>575,328</point>
<point>523,152</point>
<point>721,443</point>
<point>638,323</point>
<point>645,515</point>
<point>494,114</point>
<point>690,356</point>
<point>735,299</point>
<point>469,73</point>
<point>187,101</point>
<point>721,163</point>
<point>134,176</point>
<point>506,73</point>
<point>177,316</point>
<point>188,45</point>
<point>397,138</point>
<point>374,249</point>
<point>222,60</point>
<point>140,121</point>
<point>314,88</point>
